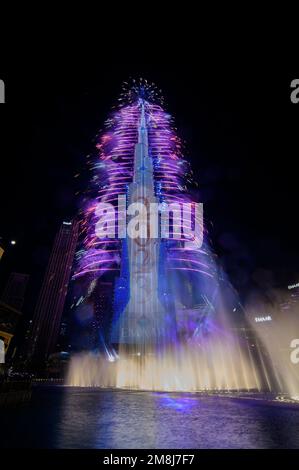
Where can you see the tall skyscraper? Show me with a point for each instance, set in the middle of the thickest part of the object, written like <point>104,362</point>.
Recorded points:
<point>140,162</point>
<point>51,300</point>
<point>143,317</point>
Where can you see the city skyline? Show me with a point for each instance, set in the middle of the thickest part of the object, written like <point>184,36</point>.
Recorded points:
<point>245,255</point>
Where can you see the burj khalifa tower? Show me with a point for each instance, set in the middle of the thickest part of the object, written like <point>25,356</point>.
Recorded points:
<point>142,322</point>
<point>140,159</point>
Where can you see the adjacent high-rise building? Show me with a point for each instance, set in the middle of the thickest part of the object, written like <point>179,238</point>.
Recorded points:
<point>51,300</point>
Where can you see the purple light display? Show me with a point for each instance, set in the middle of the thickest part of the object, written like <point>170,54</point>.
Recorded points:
<point>112,172</point>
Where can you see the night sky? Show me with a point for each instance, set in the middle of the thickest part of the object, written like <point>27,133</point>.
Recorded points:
<point>241,136</point>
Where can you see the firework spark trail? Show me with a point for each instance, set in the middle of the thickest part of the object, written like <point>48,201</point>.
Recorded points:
<point>113,172</point>
<point>172,172</point>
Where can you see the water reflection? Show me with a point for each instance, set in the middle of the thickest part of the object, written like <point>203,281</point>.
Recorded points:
<point>183,403</point>
<point>88,418</point>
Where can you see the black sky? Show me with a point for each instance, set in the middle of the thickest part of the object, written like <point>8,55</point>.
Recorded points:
<point>241,134</point>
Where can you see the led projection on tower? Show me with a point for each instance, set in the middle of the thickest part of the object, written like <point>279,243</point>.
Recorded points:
<point>143,318</point>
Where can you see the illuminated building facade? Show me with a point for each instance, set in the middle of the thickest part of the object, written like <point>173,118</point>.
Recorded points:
<point>14,292</point>
<point>51,300</point>
<point>292,298</point>
<point>103,311</point>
